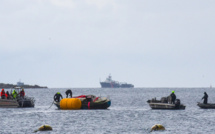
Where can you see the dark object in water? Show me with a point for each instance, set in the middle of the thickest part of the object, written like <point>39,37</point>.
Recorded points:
<point>206,106</point>
<point>163,104</point>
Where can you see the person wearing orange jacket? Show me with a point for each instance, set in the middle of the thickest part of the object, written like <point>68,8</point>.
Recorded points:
<point>3,95</point>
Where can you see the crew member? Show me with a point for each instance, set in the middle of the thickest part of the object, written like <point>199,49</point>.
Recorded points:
<point>22,93</point>
<point>57,97</point>
<point>68,92</point>
<point>173,96</point>
<point>14,94</point>
<point>3,94</point>
<point>205,97</point>
<point>8,95</point>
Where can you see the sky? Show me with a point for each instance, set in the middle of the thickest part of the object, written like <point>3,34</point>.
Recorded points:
<point>78,43</point>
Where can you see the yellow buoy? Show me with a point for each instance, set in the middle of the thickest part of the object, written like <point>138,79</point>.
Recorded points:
<point>70,103</point>
<point>44,128</point>
<point>157,127</point>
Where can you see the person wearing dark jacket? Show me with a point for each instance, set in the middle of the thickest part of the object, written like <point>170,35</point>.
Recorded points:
<point>173,96</point>
<point>8,95</point>
<point>68,92</point>
<point>22,93</point>
<point>205,97</point>
<point>57,97</point>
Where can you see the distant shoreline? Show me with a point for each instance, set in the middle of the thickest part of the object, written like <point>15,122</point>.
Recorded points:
<point>3,85</point>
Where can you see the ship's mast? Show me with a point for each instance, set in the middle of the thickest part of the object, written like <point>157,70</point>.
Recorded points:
<point>109,78</point>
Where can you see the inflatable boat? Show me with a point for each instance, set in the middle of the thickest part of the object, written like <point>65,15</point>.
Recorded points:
<point>206,106</point>
<point>84,102</point>
<point>164,104</point>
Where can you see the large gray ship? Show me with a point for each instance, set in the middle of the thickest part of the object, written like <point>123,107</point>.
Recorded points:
<point>109,83</point>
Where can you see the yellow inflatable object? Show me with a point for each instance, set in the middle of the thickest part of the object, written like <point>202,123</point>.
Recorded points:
<point>157,127</point>
<point>44,128</point>
<point>70,103</point>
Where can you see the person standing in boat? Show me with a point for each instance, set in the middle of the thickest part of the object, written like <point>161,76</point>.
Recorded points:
<point>22,93</point>
<point>205,97</point>
<point>68,93</point>
<point>14,94</point>
<point>57,97</point>
<point>3,95</point>
<point>173,96</point>
<point>8,95</point>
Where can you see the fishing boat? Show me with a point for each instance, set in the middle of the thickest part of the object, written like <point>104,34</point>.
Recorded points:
<point>164,104</point>
<point>206,106</point>
<point>86,102</point>
<point>18,101</point>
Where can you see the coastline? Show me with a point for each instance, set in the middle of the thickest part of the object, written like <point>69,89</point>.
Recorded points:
<point>3,85</point>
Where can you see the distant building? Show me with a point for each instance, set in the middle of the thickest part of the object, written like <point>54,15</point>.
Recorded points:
<point>20,83</point>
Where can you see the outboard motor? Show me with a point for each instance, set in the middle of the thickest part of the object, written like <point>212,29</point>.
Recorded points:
<point>177,103</point>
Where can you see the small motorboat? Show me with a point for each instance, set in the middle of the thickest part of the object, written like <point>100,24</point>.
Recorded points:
<point>18,102</point>
<point>164,104</point>
<point>206,106</point>
<point>87,102</point>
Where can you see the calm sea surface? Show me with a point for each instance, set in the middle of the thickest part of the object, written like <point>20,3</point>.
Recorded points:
<point>129,113</point>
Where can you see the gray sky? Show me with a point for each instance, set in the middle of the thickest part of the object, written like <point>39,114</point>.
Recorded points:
<point>76,43</point>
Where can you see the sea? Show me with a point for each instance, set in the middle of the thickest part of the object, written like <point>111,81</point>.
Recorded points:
<point>129,113</point>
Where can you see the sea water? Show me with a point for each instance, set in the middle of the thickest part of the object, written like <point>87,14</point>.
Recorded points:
<point>129,113</point>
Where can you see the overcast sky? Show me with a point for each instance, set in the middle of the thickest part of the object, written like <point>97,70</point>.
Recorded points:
<point>77,43</point>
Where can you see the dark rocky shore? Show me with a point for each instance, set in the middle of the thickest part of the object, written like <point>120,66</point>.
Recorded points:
<point>2,85</point>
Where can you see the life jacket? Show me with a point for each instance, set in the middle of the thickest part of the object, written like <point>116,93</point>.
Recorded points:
<point>14,94</point>
<point>6,96</point>
<point>2,92</point>
<point>22,93</point>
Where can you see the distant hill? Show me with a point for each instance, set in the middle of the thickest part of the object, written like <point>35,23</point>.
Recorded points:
<point>2,85</point>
